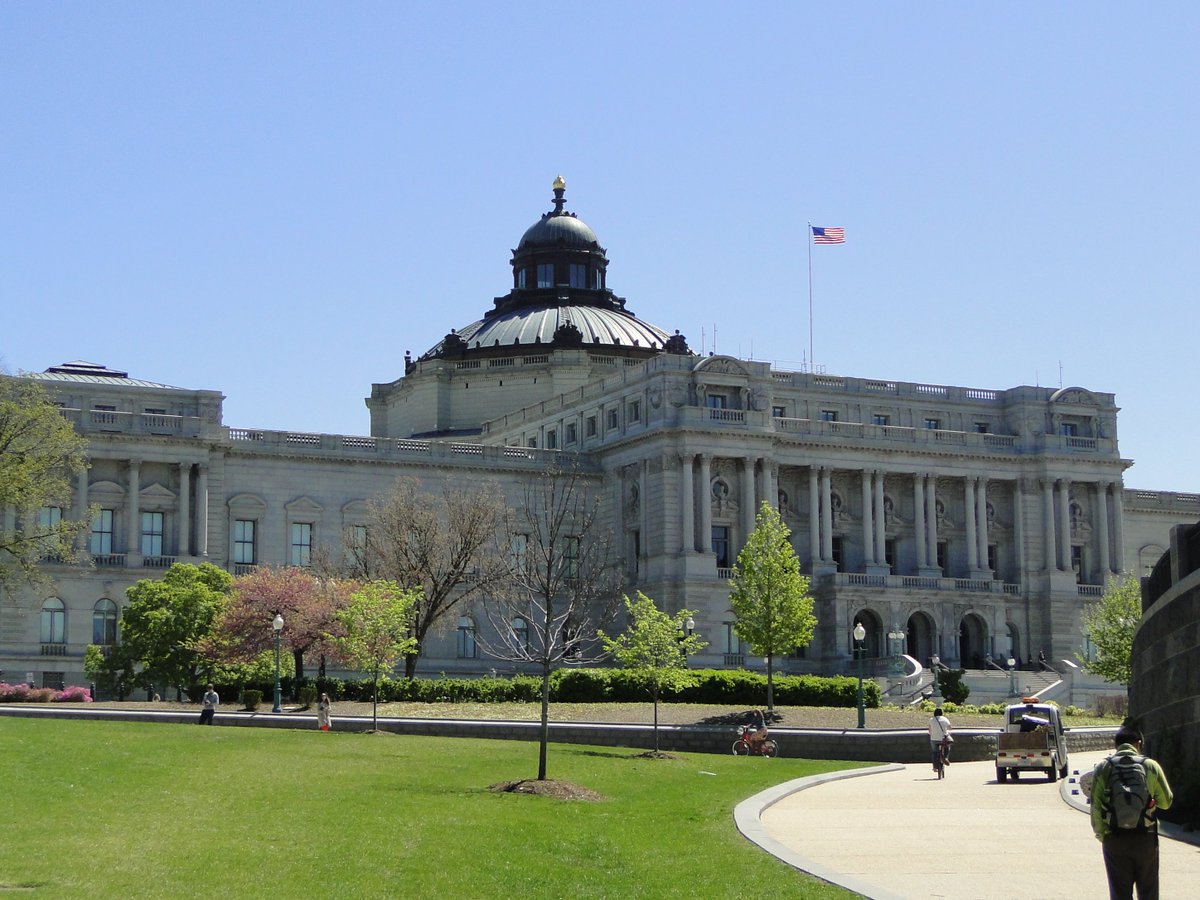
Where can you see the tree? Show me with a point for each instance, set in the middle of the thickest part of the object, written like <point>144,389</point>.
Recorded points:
<point>39,454</point>
<point>307,603</point>
<point>438,542</point>
<point>165,623</point>
<point>769,596</point>
<point>1110,624</point>
<point>656,645</point>
<point>375,631</point>
<point>560,584</point>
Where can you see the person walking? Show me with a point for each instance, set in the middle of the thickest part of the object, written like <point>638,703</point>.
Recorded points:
<point>323,712</point>
<point>209,706</point>
<point>1128,790</point>
<point>939,736</point>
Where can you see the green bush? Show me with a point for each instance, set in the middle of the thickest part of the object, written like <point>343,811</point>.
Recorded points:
<point>252,697</point>
<point>308,695</point>
<point>951,683</point>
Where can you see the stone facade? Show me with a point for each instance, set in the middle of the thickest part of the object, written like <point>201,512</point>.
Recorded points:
<point>960,522</point>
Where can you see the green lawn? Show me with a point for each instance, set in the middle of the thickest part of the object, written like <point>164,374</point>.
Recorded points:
<point>101,809</point>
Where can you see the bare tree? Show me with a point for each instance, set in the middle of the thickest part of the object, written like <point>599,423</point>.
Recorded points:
<point>561,585</point>
<point>443,544</point>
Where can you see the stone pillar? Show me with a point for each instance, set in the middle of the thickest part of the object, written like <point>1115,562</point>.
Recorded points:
<point>705,500</point>
<point>826,514</point>
<point>868,525</point>
<point>1102,528</point>
<point>133,527</point>
<point>1064,522</point>
<point>202,510</point>
<point>1050,544</point>
<point>748,501</point>
<point>1119,527</point>
<point>931,521</point>
<point>185,510</point>
<point>919,519</point>
<point>687,498</point>
<point>1019,529</point>
<point>81,507</point>
<point>981,529</point>
<point>970,522</point>
<point>880,522</point>
<point>814,517</point>
<point>771,483</point>
<point>643,475</point>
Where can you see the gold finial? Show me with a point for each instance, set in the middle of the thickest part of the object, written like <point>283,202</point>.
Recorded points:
<point>560,183</point>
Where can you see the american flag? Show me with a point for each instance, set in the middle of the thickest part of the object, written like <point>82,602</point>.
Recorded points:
<point>828,235</point>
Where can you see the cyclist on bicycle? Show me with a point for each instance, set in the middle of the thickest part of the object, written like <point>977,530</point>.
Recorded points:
<point>759,723</point>
<point>939,737</point>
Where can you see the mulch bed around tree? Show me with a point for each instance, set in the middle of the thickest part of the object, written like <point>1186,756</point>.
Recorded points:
<point>558,790</point>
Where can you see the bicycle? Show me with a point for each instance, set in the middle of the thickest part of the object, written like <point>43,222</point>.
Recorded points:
<point>940,760</point>
<point>744,746</point>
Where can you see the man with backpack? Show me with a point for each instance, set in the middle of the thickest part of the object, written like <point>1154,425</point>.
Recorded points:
<point>1128,789</point>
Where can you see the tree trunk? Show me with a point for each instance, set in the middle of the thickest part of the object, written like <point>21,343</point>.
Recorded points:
<point>656,718</point>
<point>770,683</point>
<point>410,664</point>
<point>375,703</point>
<point>544,738</point>
<point>298,659</point>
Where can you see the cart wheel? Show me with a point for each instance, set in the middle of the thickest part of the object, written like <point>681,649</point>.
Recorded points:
<point>741,748</point>
<point>770,748</point>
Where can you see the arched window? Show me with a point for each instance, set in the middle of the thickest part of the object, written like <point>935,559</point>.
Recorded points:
<point>54,622</point>
<point>520,630</point>
<point>104,623</point>
<point>466,638</point>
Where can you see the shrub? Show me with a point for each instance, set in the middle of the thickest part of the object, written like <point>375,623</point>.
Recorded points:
<point>1117,707</point>
<point>951,683</point>
<point>308,695</point>
<point>73,694</point>
<point>252,697</point>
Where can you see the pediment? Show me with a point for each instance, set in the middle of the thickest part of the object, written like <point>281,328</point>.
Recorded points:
<point>721,365</point>
<point>304,505</point>
<point>156,492</point>
<point>247,502</point>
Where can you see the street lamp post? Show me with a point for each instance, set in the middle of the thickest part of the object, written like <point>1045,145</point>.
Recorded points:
<point>860,635</point>
<point>1012,677</point>
<point>278,626</point>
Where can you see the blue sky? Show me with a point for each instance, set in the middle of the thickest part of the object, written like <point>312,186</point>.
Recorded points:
<point>278,200</point>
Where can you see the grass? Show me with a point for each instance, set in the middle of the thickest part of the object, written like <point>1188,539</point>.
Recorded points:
<point>106,809</point>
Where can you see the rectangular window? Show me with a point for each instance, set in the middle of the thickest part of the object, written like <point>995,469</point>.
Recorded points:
<point>720,545</point>
<point>243,542</point>
<point>943,553</point>
<point>733,643</point>
<point>981,427</point>
<point>933,424</point>
<point>1070,429</point>
<point>635,411</point>
<point>100,542</point>
<point>829,415</point>
<point>518,549</point>
<point>636,545</point>
<point>571,557</point>
<point>992,557</point>
<point>551,439</point>
<point>49,518</point>
<point>838,554</point>
<point>578,275</point>
<point>572,435</point>
<point>597,280</point>
<point>1077,561</point>
<point>716,401</point>
<point>613,419</point>
<point>589,428</point>
<point>778,412</point>
<point>545,275</point>
<point>532,443</point>
<point>521,278</point>
<point>152,534</point>
<point>889,552</point>
<point>301,554</point>
<point>880,419</point>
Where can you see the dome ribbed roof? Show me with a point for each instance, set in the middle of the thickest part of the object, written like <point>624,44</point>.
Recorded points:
<point>534,326</point>
<point>558,229</point>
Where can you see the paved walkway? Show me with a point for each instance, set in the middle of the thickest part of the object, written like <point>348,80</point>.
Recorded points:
<point>900,833</point>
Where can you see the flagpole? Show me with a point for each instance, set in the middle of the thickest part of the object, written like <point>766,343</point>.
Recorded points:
<point>811,361</point>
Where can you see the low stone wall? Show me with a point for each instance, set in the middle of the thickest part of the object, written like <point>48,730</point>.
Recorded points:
<point>902,746</point>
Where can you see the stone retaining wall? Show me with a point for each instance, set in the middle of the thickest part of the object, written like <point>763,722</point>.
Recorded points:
<point>904,746</point>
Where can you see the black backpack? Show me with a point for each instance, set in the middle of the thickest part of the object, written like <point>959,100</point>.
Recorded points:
<point>1128,793</point>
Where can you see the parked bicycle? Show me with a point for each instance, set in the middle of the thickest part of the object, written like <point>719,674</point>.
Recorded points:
<point>748,745</point>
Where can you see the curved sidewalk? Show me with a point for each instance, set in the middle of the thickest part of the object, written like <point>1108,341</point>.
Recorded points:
<point>891,832</point>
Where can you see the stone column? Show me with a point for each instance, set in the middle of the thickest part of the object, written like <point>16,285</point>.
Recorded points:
<point>1019,528</point>
<point>1102,527</point>
<point>1049,543</point>
<point>931,520</point>
<point>969,521</point>
<point>1119,527</point>
<point>748,501</point>
<point>81,507</point>
<point>687,498</point>
<point>185,511</point>
<point>880,522</point>
<point>771,482</point>
<point>868,525</point>
<point>919,519</point>
<point>133,528</point>
<point>705,500</point>
<point>643,475</point>
<point>814,517</point>
<point>202,510</point>
<point>826,514</point>
<point>981,529</point>
<point>1064,522</point>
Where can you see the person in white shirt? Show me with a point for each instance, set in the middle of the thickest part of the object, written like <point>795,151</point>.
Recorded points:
<point>939,731</point>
